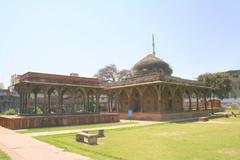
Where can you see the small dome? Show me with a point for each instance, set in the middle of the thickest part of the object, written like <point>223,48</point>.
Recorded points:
<point>151,63</point>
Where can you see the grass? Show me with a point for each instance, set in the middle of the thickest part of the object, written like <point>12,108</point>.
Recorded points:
<point>49,129</point>
<point>3,156</point>
<point>218,140</point>
<point>236,111</point>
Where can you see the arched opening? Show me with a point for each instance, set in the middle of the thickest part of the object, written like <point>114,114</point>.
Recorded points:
<point>40,103</point>
<point>178,101</point>
<point>91,101</point>
<point>194,101</point>
<point>113,102</point>
<point>167,100</point>
<point>150,98</point>
<point>31,102</point>
<point>123,101</point>
<point>68,100</point>
<point>36,101</point>
<point>201,101</point>
<point>135,101</point>
<point>79,100</point>
<point>52,101</point>
<point>103,102</point>
<point>186,100</point>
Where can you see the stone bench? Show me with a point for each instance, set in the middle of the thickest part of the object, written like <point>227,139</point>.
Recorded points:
<point>204,119</point>
<point>87,138</point>
<point>100,133</point>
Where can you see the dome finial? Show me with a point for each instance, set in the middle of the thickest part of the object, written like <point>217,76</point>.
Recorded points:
<point>153,45</point>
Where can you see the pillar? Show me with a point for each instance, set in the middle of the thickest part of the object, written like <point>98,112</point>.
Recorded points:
<point>59,106</point>
<point>190,103</point>
<point>45,101</point>
<point>97,103</point>
<point>21,103</point>
<point>35,102</point>
<point>48,102</point>
<point>197,103</point>
<point>205,102</point>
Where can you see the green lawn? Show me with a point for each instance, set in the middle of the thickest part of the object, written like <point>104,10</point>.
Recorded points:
<point>49,129</point>
<point>217,139</point>
<point>236,111</point>
<point>3,156</point>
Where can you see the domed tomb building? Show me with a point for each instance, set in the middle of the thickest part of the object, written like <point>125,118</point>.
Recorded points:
<point>152,93</point>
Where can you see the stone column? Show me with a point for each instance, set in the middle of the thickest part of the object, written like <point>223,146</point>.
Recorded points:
<point>25,103</point>
<point>59,106</point>
<point>117,103</point>
<point>45,101</point>
<point>141,103</point>
<point>197,102</point>
<point>211,103</point>
<point>205,102</point>
<point>35,102</point>
<point>190,103</point>
<point>111,103</point>
<point>21,102</point>
<point>84,103</point>
<point>97,103</point>
<point>48,102</point>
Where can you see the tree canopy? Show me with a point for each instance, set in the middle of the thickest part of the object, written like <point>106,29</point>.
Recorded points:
<point>110,74</point>
<point>219,81</point>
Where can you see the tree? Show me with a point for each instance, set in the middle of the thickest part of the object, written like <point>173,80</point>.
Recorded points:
<point>123,74</point>
<point>219,81</point>
<point>110,74</point>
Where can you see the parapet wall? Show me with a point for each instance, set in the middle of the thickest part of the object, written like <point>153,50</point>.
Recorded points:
<point>164,116</point>
<point>21,122</point>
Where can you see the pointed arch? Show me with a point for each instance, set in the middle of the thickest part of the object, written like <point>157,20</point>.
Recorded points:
<point>186,100</point>
<point>68,100</point>
<point>150,99</point>
<point>135,103</point>
<point>167,99</point>
<point>178,100</point>
<point>52,100</point>
<point>79,99</point>
<point>123,101</point>
<point>91,100</point>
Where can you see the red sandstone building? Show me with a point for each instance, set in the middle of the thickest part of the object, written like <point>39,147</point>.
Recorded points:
<point>151,92</point>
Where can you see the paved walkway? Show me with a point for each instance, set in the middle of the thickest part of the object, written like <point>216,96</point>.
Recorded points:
<point>138,123</point>
<point>23,147</point>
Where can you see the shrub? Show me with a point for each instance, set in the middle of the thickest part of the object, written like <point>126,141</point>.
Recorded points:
<point>92,107</point>
<point>39,111</point>
<point>10,111</point>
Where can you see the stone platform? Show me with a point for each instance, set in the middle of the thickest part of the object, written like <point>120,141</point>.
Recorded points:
<point>22,122</point>
<point>164,116</point>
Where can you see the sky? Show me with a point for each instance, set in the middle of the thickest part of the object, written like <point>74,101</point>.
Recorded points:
<point>82,36</point>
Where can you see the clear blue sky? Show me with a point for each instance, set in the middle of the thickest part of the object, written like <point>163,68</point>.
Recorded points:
<point>54,36</point>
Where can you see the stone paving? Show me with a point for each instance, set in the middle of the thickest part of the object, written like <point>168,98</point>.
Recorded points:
<point>24,147</point>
